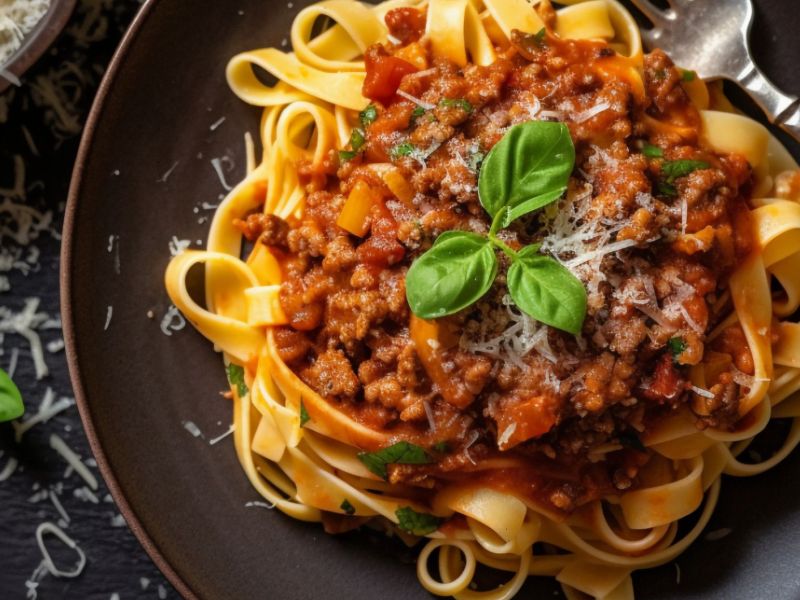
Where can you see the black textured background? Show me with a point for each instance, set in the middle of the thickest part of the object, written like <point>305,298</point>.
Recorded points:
<point>116,563</point>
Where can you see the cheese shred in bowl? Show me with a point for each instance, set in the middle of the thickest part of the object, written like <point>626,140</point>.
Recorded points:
<point>17,20</point>
<point>511,288</point>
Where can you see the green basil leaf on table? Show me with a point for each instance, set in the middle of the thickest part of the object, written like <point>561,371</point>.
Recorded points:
<point>403,453</point>
<point>547,291</point>
<point>458,270</point>
<point>11,406</point>
<point>532,159</point>
<point>416,523</point>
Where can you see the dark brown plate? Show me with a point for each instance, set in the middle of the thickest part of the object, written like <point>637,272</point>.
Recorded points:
<point>38,40</point>
<point>135,386</point>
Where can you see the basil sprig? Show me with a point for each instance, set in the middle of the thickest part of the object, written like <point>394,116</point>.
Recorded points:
<point>11,406</point>
<point>526,170</point>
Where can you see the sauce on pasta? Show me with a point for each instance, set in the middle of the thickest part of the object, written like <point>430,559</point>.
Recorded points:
<point>486,430</point>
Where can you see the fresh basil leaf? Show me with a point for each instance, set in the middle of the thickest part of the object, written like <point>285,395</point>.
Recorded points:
<point>236,377</point>
<point>532,159</point>
<point>458,269</point>
<point>532,204</point>
<point>304,416</point>
<point>651,151</point>
<point>345,155</point>
<point>456,103</point>
<point>674,169</point>
<point>688,76</point>
<point>404,149</point>
<point>11,405</point>
<point>630,440</point>
<point>547,291</point>
<point>357,139</point>
<point>404,453</point>
<point>416,523</point>
<point>368,115</point>
<point>348,508</point>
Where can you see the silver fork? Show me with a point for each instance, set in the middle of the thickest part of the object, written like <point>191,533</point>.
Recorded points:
<point>711,37</point>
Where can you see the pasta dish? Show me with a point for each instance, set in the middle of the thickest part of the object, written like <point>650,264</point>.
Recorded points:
<point>500,282</point>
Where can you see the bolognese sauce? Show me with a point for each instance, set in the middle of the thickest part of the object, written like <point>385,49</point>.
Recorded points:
<point>653,248</point>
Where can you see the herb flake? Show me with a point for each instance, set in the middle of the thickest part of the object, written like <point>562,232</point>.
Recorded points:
<point>461,103</point>
<point>345,155</point>
<point>404,149</point>
<point>304,416</point>
<point>676,346</point>
<point>688,76</point>
<point>348,508</point>
<point>416,523</point>
<point>651,151</point>
<point>368,115</point>
<point>357,139</point>
<point>236,378</point>
<point>401,453</point>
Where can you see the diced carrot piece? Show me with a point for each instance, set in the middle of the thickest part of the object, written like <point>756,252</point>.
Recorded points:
<point>356,210</point>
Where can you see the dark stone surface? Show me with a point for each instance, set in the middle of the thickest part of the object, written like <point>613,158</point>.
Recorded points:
<point>116,563</point>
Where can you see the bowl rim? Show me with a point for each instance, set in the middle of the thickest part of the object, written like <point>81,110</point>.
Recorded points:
<point>67,317</point>
<point>38,40</point>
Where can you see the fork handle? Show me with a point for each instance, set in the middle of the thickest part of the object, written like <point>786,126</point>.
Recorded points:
<point>780,108</point>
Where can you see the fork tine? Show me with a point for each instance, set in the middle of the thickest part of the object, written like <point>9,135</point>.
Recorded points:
<point>650,37</point>
<point>655,15</point>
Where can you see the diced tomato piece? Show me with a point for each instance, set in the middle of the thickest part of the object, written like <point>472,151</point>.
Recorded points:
<point>524,420</point>
<point>384,74</point>
<point>667,382</point>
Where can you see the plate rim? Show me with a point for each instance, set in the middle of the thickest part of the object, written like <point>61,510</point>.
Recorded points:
<point>66,292</point>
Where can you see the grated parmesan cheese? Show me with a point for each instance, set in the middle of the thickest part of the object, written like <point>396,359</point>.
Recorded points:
<point>172,321</point>
<point>702,392</point>
<point>47,560</point>
<point>269,506</point>
<point>415,100</point>
<point>46,411</point>
<point>60,446</point>
<point>17,20</point>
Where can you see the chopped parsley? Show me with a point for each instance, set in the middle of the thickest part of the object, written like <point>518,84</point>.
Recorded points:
<point>348,508</point>
<point>403,453</point>
<point>630,440</point>
<point>236,378</point>
<point>304,416</point>
<point>538,38</point>
<point>441,447</point>
<point>456,103</point>
<point>345,155</point>
<point>404,149</point>
<point>688,76</point>
<point>357,139</point>
<point>475,159</point>
<point>651,151</point>
<point>368,115</point>
<point>416,523</point>
<point>416,114</point>
<point>676,346</point>
<point>675,169</point>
